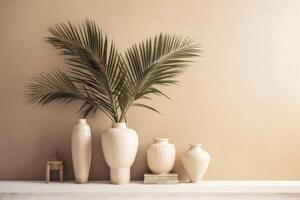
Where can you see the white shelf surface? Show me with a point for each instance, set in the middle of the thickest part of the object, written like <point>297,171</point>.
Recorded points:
<point>210,187</point>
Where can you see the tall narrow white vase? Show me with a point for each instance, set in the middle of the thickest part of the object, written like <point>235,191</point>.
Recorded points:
<point>195,161</point>
<point>120,146</point>
<point>81,150</point>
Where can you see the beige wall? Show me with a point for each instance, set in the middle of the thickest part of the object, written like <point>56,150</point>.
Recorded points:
<point>241,100</point>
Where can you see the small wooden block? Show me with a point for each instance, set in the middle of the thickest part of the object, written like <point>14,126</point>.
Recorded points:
<point>54,165</point>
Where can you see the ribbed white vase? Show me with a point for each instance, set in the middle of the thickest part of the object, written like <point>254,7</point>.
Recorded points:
<point>120,146</point>
<point>81,150</point>
<point>195,161</point>
<point>161,156</point>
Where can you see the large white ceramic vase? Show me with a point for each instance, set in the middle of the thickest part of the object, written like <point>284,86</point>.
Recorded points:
<point>195,161</point>
<point>120,146</point>
<point>161,156</point>
<point>81,144</point>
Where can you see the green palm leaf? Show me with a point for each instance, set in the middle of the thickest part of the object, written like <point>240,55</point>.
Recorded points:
<point>56,86</point>
<point>100,77</point>
<point>156,62</point>
<point>93,63</point>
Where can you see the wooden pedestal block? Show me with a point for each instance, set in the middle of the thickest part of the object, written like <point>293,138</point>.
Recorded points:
<point>55,165</point>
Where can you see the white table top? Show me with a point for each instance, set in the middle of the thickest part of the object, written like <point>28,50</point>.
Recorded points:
<point>139,187</point>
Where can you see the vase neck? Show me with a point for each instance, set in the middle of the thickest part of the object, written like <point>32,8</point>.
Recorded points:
<point>194,146</point>
<point>161,140</point>
<point>119,125</point>
<point>82,122</point>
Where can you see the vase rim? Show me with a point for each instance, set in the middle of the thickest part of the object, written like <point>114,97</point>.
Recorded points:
<point>160,139</point>
<point>82,121</point>
<point>194,145</point>
<point>119,124</point>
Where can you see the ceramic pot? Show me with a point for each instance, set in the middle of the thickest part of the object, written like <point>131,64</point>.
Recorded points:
<point>161,156</point>
<point>120,146</point>
<point>81,144</point>
<point>195,161</point>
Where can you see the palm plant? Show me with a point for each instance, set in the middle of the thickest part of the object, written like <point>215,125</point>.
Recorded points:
<point>104,79</point>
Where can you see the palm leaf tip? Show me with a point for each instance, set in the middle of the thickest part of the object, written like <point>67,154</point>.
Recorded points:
<point>146,106</point>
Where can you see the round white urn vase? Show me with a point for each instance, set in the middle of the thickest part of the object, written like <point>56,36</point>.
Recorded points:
<point>161,156</point>
<point>195,161</point>
<point>81,144</point>
<point>120,146</point>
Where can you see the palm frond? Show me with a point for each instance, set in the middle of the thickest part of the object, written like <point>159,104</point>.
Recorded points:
<point>93,61</point>
<point>156,62</point>
<point>58,86</point>
<point>146,106</point>
<point>49,87</point>
<point>100,77</point>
